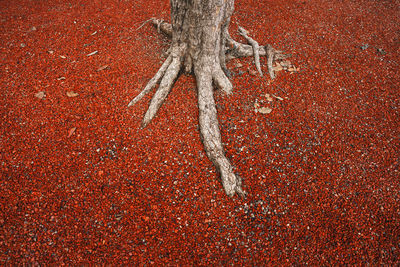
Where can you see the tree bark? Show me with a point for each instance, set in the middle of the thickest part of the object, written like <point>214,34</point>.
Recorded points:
<point>201,44</point>
<point>199,29</point>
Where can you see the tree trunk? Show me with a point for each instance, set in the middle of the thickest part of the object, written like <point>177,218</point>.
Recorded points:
<point>201,44</point>
<point>198,38</point>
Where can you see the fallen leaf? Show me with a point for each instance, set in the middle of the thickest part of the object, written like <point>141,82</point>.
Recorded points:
<point>72,94</point>
<point>71,131</point>
<point>264,110</point>
<point>102,68</point>
<point>293,69</point>
<point>40,95</point>
<point>93,53</point>
<point>256,105</point>
<point>277,67</point>
<point>285,64</point>
<point>278,97</point>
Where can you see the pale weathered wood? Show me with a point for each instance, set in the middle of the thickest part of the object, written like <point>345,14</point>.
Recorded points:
<point>255,46</point>
<point>201,44</point>
<point>153,82</point>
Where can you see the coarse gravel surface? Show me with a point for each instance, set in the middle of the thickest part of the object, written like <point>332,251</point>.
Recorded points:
<point>81,183</point>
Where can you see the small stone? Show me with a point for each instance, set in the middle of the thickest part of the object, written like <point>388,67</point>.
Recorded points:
<point>264,110</point>
<point>72,94</point>
<point>40,95</point>
<point>381,51</point>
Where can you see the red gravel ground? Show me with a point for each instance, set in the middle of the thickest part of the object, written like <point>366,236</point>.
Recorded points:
<point>81,183</point>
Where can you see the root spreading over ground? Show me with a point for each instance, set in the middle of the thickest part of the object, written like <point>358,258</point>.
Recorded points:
<point>209,69</point>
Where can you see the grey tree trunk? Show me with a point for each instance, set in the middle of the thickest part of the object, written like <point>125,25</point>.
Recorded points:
<point>201,44</point>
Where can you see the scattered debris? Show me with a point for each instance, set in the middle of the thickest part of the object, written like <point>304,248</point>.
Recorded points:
<point>61,78</point>
<point>71,132</point>
<point>72,94</point>
<point>293,69</point>
<point>269,98</point>
<point>94,33</point>
<point>285,65</point>
<point>278,97</point>
<point>63,57</point>
<point>264,110</point>
<point>277,67</point>
<point>364,46</point>
<point>381,51</point>
<point>103,68</point>
<point>40,95</point>
<point>93,53</point>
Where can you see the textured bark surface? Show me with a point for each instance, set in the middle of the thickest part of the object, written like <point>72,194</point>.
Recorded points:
<point>201,44</point>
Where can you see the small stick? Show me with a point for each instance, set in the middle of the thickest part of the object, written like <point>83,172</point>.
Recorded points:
<point>144,23</point>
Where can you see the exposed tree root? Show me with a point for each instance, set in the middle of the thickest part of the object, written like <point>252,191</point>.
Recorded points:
<point>208,70</point>
<point>235,49</point>
<point>209,130</point>
<point>153,82</point>
<point>161,94</point>
<point>221,80</point>
<point>255,46</point>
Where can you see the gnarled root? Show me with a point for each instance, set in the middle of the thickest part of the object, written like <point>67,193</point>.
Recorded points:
<point>255,47</point>
<point>163,90</point>
<point>235,49</point>
<point>208,69</point>
<point>221,80</point>
<point>167,74</point>
<point>210,133</point>
<point>153,82</point>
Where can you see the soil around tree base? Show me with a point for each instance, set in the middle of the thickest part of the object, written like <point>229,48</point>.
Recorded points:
<point>82,184</point>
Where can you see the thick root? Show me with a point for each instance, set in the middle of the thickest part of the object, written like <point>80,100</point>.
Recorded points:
<point>207,70</point>
<point>210,133</point>
<point>150,85</point>
<point>221,80</point>
<point>255,47</point>
<point>163,90</point>
<point>236,50</point>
